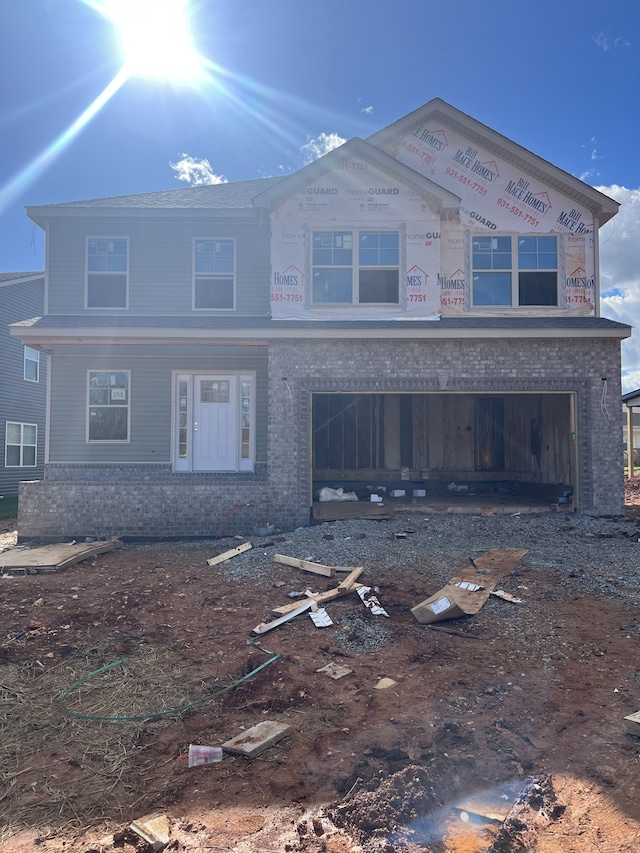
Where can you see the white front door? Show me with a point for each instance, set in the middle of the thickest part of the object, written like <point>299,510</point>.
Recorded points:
<point>215,423</point>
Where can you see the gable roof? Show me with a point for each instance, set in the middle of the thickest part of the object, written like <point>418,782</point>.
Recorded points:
<point>441,198</point>
<point>601,205</point>
<point>7,278</point>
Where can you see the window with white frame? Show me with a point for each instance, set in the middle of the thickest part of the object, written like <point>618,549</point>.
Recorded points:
<point>514,270</point>
<point>356,267</point>
<point>108,405</point>
<point>20,445</point>
<point>107,268</point>
<point>31,364</point>
<point>214,274</point>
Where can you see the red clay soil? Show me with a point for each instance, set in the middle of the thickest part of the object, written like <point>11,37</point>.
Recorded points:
<point>527,699</point>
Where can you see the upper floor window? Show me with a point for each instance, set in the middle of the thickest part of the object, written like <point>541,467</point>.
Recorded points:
<point>214,274</point>
<point>356,267</point>
<point>515,270</point>
<point>108,405</point>
<point>107,273</point>
<point>31,364</point>
<point>21,441</point>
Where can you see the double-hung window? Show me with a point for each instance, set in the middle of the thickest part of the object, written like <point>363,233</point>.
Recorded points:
<point>107,269</point>
<point>108,405</point>
<point>515,270</point>
<point>214,274</point>
<point>31,364</point>
<point>21,441</point>
<point>356,267</point>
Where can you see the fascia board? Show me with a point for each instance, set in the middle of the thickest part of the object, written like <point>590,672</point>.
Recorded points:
<point>601,205</point>
<point>42,215</point>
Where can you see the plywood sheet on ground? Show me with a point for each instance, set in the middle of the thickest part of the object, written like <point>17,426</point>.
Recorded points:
<point>50,558</point>
<point>340,510</point>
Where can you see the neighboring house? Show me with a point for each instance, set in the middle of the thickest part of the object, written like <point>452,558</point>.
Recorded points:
<point>23,384</point>
<point>418,308</point>
<point>631,410</point>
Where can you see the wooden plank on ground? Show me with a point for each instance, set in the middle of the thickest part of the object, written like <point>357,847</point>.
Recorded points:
<point>227,555</point>
<point>338,510</point>
<point>306,565</point>
<point>263,627</point>
<point>351,578</point>
<point>320,598</point>
<point>53,557</point>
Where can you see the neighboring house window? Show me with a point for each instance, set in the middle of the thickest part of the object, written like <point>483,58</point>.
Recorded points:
<point>106,273</point>
<point>356,267</point>
<point>21,441</point>
<point>214,422</point>
<point>214,274</point>
<point>515,270</point>
<point>108,405</point>
<point>31,364</point>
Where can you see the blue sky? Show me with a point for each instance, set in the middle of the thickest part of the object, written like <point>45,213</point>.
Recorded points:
<point>290,79</point>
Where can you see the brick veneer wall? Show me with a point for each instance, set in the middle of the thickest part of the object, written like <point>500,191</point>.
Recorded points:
<point>77,501</point>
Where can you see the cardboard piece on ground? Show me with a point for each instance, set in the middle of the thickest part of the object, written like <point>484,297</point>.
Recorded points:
<point>632,724</point>
<point>453,601</point>
<point>256,739</point>
<point>335,670</point>
<point>306,565</point>
<point>154,829</point>
<point>385,683</point>
<point>51,558</point>
<point>227,555</point>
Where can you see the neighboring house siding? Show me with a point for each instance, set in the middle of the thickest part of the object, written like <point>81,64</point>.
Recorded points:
<point>150,405</point>
<point>160,260</point>
<point>21,401</point>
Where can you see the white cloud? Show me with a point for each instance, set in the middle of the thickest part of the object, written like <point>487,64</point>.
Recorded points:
<point>620,276</point>
<point>196,172</point>
<point>324,143</point>
<point>605,42</point>
<point>367,110</point>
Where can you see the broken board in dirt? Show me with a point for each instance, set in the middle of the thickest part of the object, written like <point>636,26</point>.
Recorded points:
<point>340,510</point>
<point>51,558</point>
<point>465,593</point>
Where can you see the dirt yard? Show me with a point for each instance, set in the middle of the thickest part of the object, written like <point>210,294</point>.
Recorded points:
<point>504,733</point>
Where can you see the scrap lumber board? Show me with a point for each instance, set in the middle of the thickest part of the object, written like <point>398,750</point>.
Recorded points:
<point>320,598</point>
<point>338,510</point>
<point>51,558</point>
<point>263,627</point>
<point>306,565</point>
<point>227,555</point>
<point>351,578</point>
<point>256,739</point>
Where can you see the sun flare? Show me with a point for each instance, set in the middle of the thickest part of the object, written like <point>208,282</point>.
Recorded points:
<point>154,38</point>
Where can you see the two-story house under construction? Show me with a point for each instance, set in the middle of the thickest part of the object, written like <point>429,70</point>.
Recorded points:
<point>417,308</point>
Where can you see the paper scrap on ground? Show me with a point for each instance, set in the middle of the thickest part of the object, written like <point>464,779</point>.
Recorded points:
<point>321,618</point>
<point>371,601</point>
<point>335,670</point>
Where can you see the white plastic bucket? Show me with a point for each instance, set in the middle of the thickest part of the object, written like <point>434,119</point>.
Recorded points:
<point>199,754</point>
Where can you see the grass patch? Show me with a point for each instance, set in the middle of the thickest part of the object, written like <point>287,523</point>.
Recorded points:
<point>9,506</point>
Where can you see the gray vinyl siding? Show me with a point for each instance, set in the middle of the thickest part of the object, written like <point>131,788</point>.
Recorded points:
<point>160,262</point>
<point>20,401</point>
<point>150,406</point>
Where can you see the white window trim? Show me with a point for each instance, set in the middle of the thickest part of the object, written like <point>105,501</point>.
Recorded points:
<point>27,350</point>
<point>195,275</point>
<point>119,441</point>
<point>515,270</point>
<point>87,273</point>
<point>185,465</point>
<point>22,445</point>
<point>355,266</point>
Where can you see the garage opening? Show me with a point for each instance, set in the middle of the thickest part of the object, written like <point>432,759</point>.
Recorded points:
<point>515,444</point>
